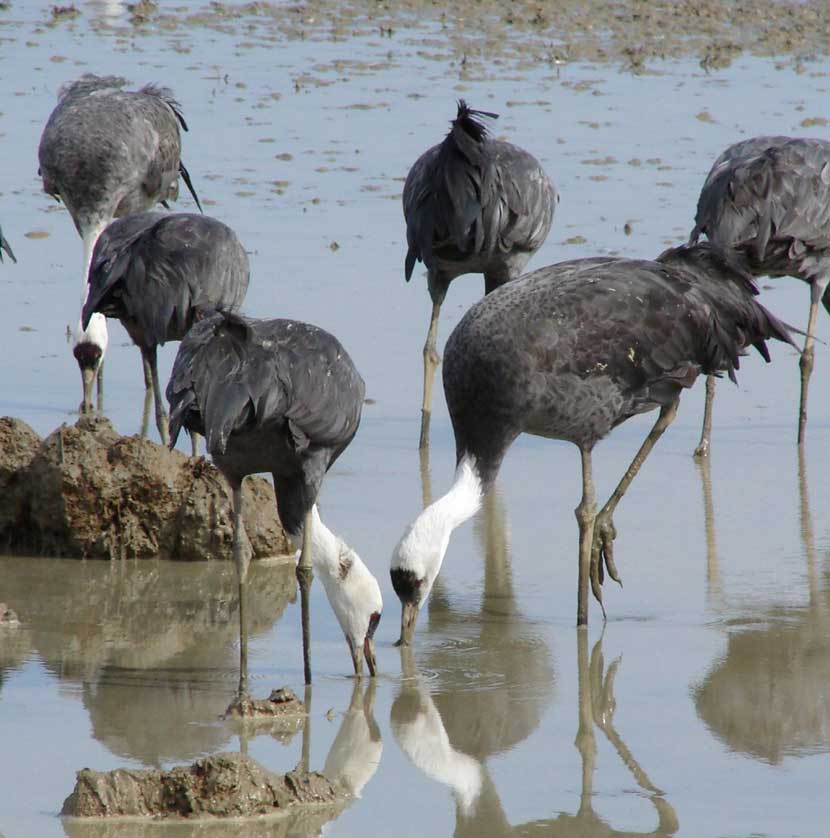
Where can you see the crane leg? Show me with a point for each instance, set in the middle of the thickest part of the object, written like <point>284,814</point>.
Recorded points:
<point>604,530</point>
<point>240,554</point>
<point>702,449</point>
<point>586,514</point>
<point>194,443</point>
<point>148,393</point>
<point>431,361</point>
<point>305,575</point>
<point>150,363</point>
<point>817,287</point>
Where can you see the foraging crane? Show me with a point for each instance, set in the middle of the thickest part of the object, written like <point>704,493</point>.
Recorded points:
<point>569,352</point>
<point>472,204</point>
<point>107,152</point>
<point>280,396</point>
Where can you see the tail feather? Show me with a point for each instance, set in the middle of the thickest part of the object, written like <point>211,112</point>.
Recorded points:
<point>737,320</point>
<point>189,184</point>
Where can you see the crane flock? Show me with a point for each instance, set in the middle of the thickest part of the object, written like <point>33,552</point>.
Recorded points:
<point>568,351</point>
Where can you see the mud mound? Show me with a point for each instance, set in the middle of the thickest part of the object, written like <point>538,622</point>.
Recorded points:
<point>85,491</point>
<point>228,785</point>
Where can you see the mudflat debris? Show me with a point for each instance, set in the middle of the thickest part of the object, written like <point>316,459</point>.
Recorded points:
<point>85,491</point>
<point>226,785</point>
<point>281,708</point>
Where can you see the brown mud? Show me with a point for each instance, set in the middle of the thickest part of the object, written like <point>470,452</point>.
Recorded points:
<point>482,32</point>
<point>86,491</point>
<point>282,709</point>
<point>227,785</point>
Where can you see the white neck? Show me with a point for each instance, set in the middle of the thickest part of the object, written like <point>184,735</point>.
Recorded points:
<point>89,238</point>
<point>423,546</point>
<point>326,547</point>
<point>96,332</point>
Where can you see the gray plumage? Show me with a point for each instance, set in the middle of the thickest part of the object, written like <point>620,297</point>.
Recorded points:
<point>159,272</point>
<point>284,397</point>
<point>472,204</point>
<point>4,245</point>
<point>107,152</point>
<point>769,197</point>
<point>275,396</point>
<point>156,272</point>
<point>572,350</point>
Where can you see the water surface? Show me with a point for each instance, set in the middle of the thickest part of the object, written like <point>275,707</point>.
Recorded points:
<point>701,709</point>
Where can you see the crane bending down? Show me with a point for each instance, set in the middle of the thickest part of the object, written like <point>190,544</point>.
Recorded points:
<point>4,245</point>
<point>569,352</point>
<point>472,204</point>
<point>280,396</point>
<point>157,273</point>
<point>769,197</point>
<point>107,152</point>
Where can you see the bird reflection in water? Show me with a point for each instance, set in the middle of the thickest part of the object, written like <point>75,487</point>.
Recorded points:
<point>766,695</point>
<point>439,744</point>
<point>147,646</point>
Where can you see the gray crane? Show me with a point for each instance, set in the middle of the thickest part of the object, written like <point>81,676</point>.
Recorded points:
<point>157,273</point>
<point>283,397</point>
<point>569,352</point>
<point>107,152</point>
<point>4,245</point>
<point>472,204</point>
<point>769,197</point>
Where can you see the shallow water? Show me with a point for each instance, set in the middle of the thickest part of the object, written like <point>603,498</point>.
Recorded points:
<point>702,709</point>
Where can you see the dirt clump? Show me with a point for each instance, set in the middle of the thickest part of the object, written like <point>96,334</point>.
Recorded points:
<point>227,785</point>
<point>282,709</point>
<point>86,491</point>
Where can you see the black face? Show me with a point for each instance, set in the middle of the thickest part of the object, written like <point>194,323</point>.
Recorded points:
<point>88,355</point>
<point>407,585</point>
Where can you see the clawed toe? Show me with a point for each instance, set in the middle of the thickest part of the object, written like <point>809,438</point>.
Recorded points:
<point>602,557</point>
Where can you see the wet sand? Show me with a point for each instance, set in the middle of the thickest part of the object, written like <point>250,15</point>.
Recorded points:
<point>699,710</point>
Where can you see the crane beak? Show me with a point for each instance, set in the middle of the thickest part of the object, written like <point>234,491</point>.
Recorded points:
<point>88,378</point>
<point>409,614</point>
<point>369,653</point>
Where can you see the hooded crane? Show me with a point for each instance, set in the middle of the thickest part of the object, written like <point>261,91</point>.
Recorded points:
<point>157,272</point>
<point>107,152</point>
<point>280,396</point>
<point>4,245</point>
<point>769,197</point>
<point>569,352</point>
<point>472,204</point>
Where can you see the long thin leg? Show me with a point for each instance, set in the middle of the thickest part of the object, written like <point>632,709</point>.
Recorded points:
<point>305,575</point>
<point>100,387</point>
<point>240,554</point>
<point>604,530</point>
<point>585,739</point>
<point>586,514</point>
<point>194,443</point>
<point>145,413</point>
<point>431,361</point>
<point>702,449</point>
<point>161,415</point>
<point>817,287</point>
<point>148,392</point>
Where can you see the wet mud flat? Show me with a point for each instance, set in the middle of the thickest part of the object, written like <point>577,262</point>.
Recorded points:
<point>86,491</point>
<point>630,32</point>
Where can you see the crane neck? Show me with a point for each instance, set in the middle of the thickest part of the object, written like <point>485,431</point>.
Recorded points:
<point>327,549</point>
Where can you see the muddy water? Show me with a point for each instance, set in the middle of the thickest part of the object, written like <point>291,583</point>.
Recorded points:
<point>702,708</point>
